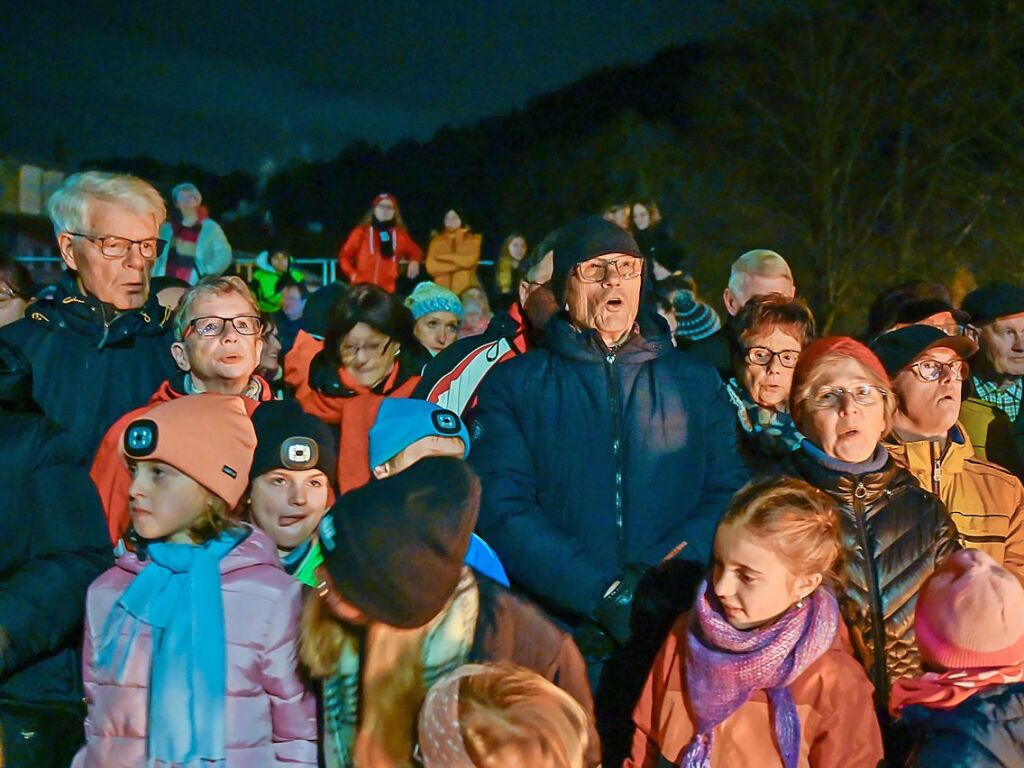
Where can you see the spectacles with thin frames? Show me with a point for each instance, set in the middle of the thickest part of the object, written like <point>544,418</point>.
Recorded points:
<point>212,325</point>
<point>832,397</point>
<point>114,247</point>
<point>375,349</point>
<point>628,268</point>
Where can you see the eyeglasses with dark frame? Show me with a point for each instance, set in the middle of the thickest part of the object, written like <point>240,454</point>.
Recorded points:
<point>627,267</point>
<point>929,370</point>
<point>763,356</point>
<point>210,326</point>
<point>114,247</point>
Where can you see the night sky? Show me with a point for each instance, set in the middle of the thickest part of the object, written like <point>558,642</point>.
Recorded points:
<point>229,85</point>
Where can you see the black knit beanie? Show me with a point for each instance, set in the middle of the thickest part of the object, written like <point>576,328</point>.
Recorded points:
<point>289,438</point>
<point>397,545</point>
<point>585,239</point>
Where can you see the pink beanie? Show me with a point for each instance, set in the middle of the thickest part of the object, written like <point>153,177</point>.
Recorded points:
<point>970,614</point>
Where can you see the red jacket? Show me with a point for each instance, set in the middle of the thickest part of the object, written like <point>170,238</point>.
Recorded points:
<point>361,261</point>
<point>838,726</point>
<point>353,414</point>
<point>110,475</point>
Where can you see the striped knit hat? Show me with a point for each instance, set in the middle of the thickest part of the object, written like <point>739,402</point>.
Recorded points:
<point>696,319</point>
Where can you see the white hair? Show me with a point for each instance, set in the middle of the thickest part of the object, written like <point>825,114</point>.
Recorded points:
<point>759,263</point>
<point>69,205</point>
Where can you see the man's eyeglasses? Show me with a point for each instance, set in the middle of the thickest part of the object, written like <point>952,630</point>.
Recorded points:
<point>246,325</point>
<point>114,247</point>
<point>628,268</point>
<point>763,356</point>
<point>832,397</point>
<point>373,349</point>
<point>7,295</point>
<point>933,370</point>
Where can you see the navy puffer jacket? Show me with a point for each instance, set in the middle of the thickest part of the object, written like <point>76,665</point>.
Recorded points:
<point>90,365</point>
<point>592,460</point>
<point>984,731</point>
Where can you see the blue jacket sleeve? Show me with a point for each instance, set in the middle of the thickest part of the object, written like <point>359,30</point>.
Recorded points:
<point>42,604</point>
<point>547,561</point>
<point>724,473</point>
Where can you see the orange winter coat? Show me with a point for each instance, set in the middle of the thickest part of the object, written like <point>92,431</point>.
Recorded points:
<point>361,261</point>
<point>452,258</point>
<point>354,413</point>
<point>838,726</point>
<point>110,475</point>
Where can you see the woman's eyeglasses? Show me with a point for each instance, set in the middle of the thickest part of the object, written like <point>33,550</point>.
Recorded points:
<point>763,356</point>
<point>832,397</point>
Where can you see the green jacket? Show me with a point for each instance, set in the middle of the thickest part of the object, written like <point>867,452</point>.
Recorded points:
<point>994,436</point>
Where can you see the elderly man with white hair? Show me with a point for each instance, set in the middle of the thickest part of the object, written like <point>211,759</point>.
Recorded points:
<point>97,342</point>
<point>759,272</point>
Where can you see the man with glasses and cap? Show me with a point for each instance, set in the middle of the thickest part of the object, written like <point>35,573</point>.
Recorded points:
<point>218,340</point>
<point>993,415</point>
<point>927,369</point>
<point>603,452</point>
<point>97,343</point>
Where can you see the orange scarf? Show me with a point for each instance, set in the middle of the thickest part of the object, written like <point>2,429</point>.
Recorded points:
<point>948,689</point>
<point>357,416</point>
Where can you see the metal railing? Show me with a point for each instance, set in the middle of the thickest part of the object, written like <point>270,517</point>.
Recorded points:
<point>245,264</point>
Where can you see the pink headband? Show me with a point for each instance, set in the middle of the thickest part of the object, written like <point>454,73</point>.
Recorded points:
<point>441,744</point>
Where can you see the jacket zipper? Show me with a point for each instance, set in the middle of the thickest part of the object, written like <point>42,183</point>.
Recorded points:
<point>613,394</point>
<point>878,626</point>
<point>936,469</point>
<point>106,329</point>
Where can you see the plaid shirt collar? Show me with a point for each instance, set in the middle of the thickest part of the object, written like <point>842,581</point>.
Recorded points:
<point>1007,399</point>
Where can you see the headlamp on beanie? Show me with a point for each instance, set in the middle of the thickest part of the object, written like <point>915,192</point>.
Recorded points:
<point>140,438</point>
<point>299,453</point>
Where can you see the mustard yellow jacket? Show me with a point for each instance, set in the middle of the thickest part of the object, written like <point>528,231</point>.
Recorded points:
<point>985,501</point>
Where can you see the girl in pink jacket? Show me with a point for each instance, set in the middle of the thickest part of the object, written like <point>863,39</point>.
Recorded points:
<point>190,639</point>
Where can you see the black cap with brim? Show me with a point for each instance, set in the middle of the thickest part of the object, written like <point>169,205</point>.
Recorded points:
<point>898,349</point>
<point>994,301</point>
<point>922,309</point>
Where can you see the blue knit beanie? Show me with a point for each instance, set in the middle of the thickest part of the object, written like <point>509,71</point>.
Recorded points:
<point>401,422</point>
<point>696,319</point>
<point>430,297</point>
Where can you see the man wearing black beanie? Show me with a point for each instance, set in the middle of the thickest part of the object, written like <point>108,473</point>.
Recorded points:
<point>602,453</point>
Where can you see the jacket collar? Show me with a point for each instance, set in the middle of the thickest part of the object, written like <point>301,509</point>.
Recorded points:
<point>868,486</point>
<point>920,455</point>
<point>648,341</point>
<point>67,307</point>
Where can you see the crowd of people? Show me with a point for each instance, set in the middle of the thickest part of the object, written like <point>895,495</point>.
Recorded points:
<point>380,524</point>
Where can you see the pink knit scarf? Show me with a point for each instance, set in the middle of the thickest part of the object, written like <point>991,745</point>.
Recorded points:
<point>724,666</point>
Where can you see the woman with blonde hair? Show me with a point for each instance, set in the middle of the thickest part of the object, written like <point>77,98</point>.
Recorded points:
<point>499,715</point>
<point>512,252</point>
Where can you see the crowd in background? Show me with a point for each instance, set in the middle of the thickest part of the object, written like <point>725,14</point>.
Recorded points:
<point>576,517</point>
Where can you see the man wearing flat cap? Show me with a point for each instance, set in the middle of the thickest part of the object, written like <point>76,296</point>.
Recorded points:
<point>927,369</point>
<point>604,451</point>
<point>992,415</point>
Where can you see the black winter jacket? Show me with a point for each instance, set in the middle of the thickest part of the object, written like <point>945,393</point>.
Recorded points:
<point>89,365</point>
<point>894,535</point>
<point>984,731</point>
<point>53,543</point>
<point>591,460</point>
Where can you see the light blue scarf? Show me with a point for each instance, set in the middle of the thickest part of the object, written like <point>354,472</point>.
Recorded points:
<point>178,595</point>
